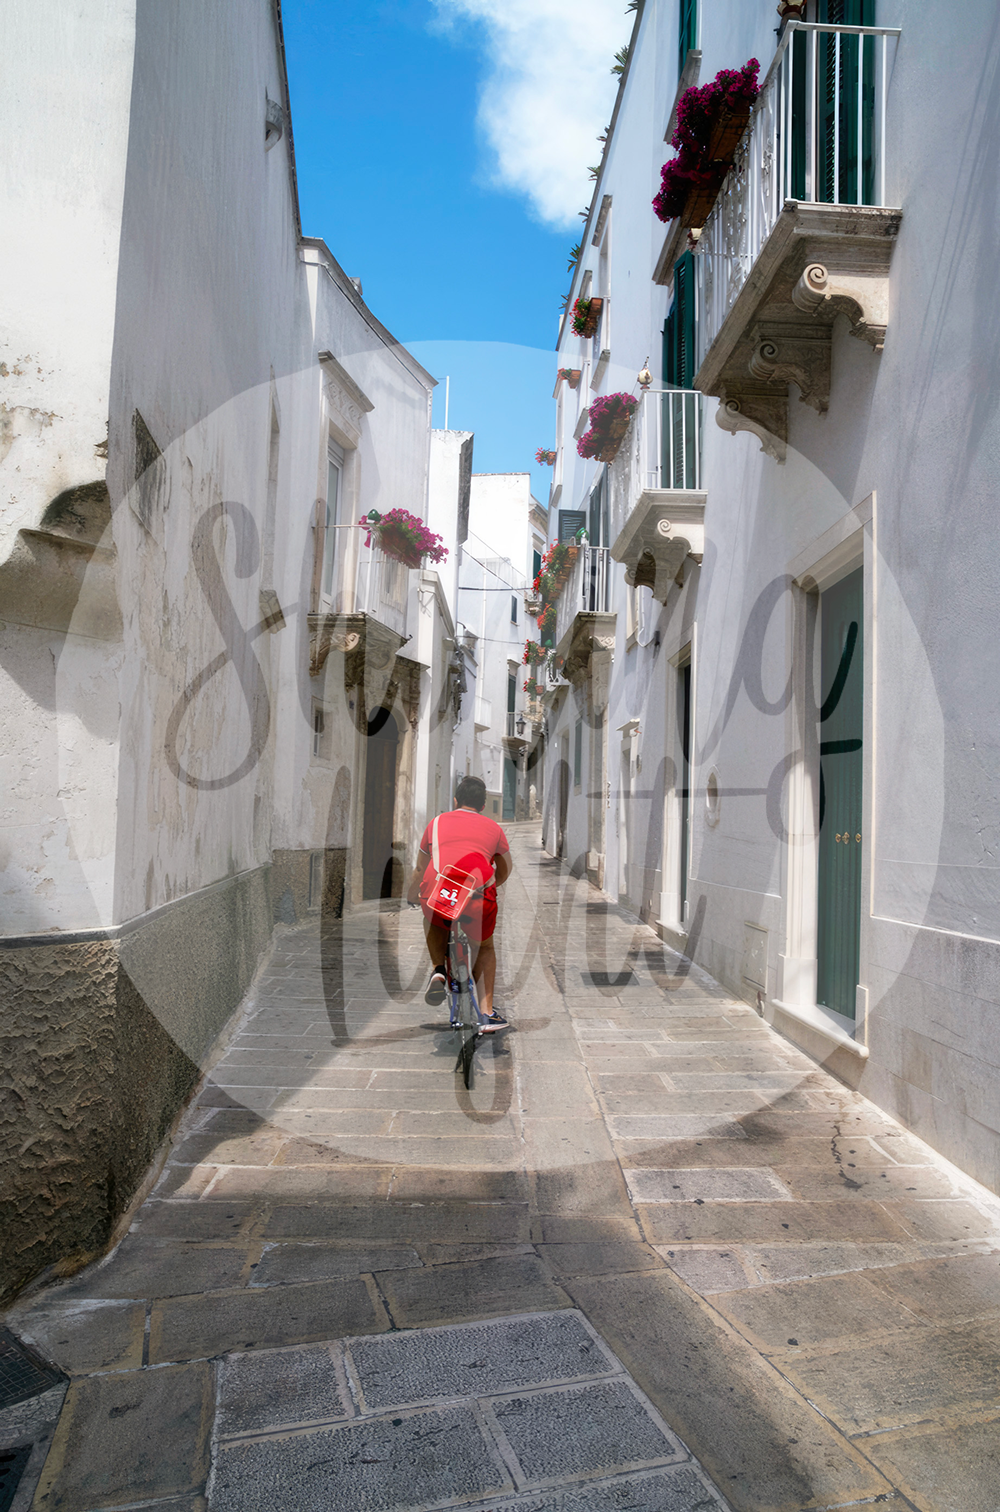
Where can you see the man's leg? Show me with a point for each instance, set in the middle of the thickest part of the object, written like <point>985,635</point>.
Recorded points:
<point>437,942</point>
<point>484,972</point>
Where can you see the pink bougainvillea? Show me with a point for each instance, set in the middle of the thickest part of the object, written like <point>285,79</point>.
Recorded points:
<point>610,413</point>
<point>403,536</point>
<point>699,111</point>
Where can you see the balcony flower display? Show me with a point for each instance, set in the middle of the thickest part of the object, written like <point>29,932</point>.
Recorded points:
<point>610,416</point>
<point>572,376</point>
<point>403,537</point>
<point>547,625</point>
<point>545,458</point>
<point>531,687</point>
<point>534,654</point>
<point>711,119</point>
<point>586,316</point>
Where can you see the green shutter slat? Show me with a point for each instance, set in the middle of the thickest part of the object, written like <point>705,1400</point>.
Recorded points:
<point>841,773</point>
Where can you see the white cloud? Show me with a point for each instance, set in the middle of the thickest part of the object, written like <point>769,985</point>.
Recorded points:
<point>549,93</point>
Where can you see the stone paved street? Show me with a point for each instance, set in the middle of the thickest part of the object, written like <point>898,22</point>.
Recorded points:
<point>657,1260</point>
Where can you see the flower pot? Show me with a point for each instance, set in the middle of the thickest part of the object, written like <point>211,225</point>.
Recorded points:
<point>397,544</point>
<point>727,131</point>
<point>613,439</point>
<point>700,202</point>
<point>574,378</point>
<point>593,318</point>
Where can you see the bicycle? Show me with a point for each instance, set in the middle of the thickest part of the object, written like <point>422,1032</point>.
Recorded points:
<point>465,1017</point>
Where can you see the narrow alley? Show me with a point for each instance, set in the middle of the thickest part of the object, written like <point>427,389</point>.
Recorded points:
<point>356,1285</point>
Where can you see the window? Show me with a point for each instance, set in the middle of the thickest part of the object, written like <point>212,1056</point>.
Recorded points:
<point>334,469</point>
<point>513,608</point>
<point>578,753</point>
<point>319,730</point>
<point>678,332</point>
<point>570,521</point>
<point>687,32</point>
<point>536,564</point>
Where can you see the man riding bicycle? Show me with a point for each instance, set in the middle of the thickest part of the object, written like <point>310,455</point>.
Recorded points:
<point>467,840</point>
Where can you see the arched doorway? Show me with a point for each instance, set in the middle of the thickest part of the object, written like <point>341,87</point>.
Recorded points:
<point>380,805</point>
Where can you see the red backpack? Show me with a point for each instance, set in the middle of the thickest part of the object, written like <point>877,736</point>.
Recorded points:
<point>446,892</point>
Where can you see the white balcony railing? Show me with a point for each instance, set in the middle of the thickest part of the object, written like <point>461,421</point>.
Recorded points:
<point>661,450</point>
<point>817,134</point>
<point>588,590</point>
<point>384,584</point>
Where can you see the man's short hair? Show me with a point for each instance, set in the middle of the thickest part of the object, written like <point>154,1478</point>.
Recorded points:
<point>471,793</point>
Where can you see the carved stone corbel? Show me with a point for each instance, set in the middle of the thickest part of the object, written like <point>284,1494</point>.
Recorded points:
<point>761,412</point>
<point>863,298</point>
<point>798,354</point>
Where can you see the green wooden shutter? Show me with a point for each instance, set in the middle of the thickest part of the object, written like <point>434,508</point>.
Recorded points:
<point>570,521</point>
<point>840,802</point>
<point>687,32</point>
<point>679,366</point>
<point>678,333</point>
<point>846,166</point>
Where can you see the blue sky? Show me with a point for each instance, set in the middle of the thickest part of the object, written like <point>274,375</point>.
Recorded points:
<point>461,246</point>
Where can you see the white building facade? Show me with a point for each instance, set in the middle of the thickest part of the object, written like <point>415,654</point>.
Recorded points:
<point>506,529</point>
<point>771,716</point>
<point>222,708</point>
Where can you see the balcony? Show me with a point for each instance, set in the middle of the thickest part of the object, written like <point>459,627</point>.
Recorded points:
<point>800,232</point>
<point>656,503</point>
<point>483,714</point>
<point>585,627</point>
<point>382,588</point>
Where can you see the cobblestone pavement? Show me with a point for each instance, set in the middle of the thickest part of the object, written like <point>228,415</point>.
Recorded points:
<point>657,1260</point>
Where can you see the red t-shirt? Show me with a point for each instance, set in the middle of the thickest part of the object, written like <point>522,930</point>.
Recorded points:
<point>466,840</point>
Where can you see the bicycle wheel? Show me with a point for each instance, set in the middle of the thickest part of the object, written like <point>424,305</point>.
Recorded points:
<point>468,1055</point>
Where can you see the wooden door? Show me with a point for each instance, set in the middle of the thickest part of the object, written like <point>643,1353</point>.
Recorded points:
<point>840,793</point>
<point>380,805</point>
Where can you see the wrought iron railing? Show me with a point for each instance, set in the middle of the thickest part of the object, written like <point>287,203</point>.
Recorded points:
<point>817,134</point>
<point>662,449</point>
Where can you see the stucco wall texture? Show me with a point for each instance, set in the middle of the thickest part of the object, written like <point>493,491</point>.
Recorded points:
<point>92,1073</point>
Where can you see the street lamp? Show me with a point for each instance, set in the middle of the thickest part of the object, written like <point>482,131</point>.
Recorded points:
<point>519,724</point>
<point>645,377</point>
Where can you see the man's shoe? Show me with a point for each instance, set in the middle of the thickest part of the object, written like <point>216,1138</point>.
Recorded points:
<point>436,987</point>
<point>492,1023</point>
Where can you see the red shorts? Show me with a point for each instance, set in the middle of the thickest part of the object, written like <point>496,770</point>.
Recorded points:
<point>479,920</point>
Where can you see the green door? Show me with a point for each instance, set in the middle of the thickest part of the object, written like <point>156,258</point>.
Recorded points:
<point>841,723</point>
<point>509,788</point>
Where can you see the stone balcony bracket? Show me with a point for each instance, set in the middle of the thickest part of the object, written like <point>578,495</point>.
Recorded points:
<point>818,262</point>
<point>783,352</point>
<point>369,648</point>
<point>664,529</point>
<point>863,299</point>
<point>584,655</point>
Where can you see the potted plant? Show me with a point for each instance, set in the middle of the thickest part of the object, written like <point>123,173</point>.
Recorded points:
<point>534,654</point>
<point>403,537</point>
<point>572,376</point>
<point>547,625</point>
<point>544,458</point>
<point>586,316</point>
<point>711,120</point>
<point>610,417</point>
